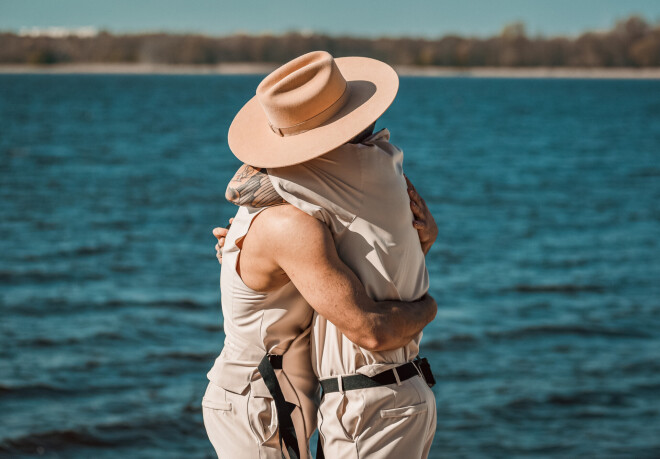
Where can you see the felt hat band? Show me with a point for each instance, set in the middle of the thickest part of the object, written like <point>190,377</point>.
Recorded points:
<point>315,120</point>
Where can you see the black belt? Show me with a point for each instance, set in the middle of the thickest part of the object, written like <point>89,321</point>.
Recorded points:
<point>404,372</point>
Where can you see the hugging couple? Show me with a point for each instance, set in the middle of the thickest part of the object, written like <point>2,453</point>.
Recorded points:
<point>323,281</point>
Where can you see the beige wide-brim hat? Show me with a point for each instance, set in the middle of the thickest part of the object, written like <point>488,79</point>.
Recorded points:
<point>311,106</point>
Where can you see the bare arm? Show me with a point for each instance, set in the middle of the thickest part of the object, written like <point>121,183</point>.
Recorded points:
<point>310,261</point>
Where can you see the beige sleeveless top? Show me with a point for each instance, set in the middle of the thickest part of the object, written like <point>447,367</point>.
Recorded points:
<point>359,192</point>
<point>277,322</point>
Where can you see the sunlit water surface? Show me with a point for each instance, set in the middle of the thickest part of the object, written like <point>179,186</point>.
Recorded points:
<point>547,267</point>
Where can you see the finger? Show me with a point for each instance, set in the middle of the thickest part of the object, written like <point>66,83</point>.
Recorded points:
<point>414,196</point>
<point>220,232</point>
<point>221,242</point>
<point>417,211</point>
<point>419,224</point>
<point>217,247</point>
<point>231,220</point>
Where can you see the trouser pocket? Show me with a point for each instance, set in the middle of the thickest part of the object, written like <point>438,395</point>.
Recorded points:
<point>262,418</point>
<point>350,415</point>
<point>215,398</point>
<point>404,411</point>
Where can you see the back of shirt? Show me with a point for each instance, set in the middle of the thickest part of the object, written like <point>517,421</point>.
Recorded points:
<point>359,192</point>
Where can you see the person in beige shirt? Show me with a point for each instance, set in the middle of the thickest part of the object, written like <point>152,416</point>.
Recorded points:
<point>362,351</point>
<point>251,188</point>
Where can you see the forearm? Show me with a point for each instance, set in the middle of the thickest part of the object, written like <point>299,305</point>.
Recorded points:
<point>330,287</point>
<point>394,324</point>
<point>372,325</point>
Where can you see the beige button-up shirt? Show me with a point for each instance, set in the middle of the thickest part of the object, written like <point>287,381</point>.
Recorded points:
<point>359,192</point>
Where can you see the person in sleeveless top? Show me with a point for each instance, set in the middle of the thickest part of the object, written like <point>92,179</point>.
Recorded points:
<point>376,400</point>
<point>252,188</point>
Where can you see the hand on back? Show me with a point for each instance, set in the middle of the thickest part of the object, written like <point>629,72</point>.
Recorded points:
<point>423,222</point>
<point>221,233</point>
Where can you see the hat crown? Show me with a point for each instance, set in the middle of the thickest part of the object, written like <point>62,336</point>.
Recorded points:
<point>306,89</point>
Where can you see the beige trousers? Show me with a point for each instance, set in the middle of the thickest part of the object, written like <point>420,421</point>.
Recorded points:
<point>244,426</point>
<point>395,421</point>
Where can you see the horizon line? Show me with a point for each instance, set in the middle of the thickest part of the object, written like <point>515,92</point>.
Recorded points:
<point>90,31</point>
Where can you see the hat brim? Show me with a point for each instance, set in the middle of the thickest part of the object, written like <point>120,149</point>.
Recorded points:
<point>373,86</point>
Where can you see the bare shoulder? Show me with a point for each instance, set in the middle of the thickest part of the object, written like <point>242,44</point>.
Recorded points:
<point>285,229</point>
<point>285,220</point>
<point>285,212</point>
<point>281,240</point>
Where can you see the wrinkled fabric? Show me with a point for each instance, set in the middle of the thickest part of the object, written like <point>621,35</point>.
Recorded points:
<point>359,192</point>
<point>381,422</point>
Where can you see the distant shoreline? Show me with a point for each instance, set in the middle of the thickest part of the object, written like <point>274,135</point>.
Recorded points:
<point>264,68</point>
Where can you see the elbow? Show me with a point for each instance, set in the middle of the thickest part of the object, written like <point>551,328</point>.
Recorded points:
<point>380,346</point>
<point>375,333</point>
<point>377,341</point>
<point>366,336</point>
<point>370,343</point>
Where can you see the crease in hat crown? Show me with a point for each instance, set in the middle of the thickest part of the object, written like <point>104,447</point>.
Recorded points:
<point>303,93</point>
<point>342,96</point>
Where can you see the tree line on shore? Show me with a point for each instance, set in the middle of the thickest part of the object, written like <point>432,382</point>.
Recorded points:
<point>632,42</point>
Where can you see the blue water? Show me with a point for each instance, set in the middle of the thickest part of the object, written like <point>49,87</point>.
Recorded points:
<point>546,270</point>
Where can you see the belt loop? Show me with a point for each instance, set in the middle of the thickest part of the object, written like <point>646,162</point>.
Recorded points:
<point>396,376</point>
<point>340,384</point>
<point>419,372</point>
